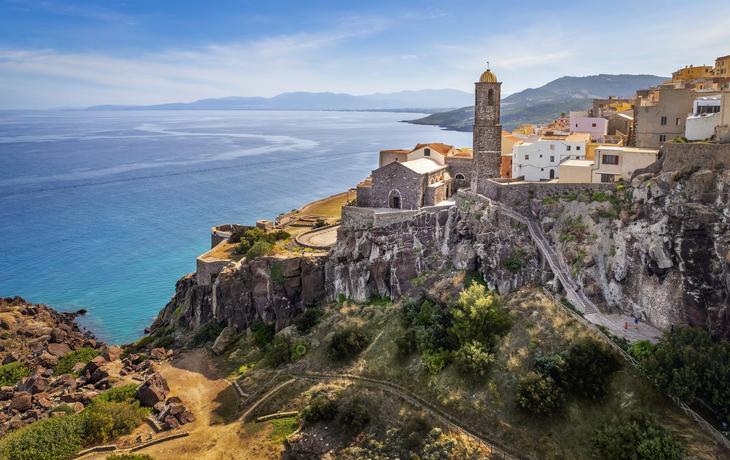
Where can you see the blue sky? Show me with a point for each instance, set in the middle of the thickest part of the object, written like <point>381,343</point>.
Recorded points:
<point>81,53</point>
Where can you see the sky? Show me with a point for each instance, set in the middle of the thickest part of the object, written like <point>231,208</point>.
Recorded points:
<point>143,52</point>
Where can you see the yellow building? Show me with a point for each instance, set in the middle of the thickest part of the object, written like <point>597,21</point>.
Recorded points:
<point>610,164</point>
<point>592,146</point>
<point>527,130</point>
<point>691,72</point>
<point>722,67</point>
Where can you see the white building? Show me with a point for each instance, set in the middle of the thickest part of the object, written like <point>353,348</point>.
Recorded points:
<point>539,160</point>
<point>707,112</point>
<point>596,127</point>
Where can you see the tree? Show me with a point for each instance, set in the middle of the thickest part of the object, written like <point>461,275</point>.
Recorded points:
<point>636,437</point>
<point>590,365</point>
<point>473,358</point>
<point>479,316</point>
<point>539,394</point>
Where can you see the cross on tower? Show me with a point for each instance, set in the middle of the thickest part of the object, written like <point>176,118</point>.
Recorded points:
<point>487,65</point>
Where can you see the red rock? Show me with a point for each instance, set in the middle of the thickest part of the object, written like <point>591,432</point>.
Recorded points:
<point>12,357</point>
<point>174,400</point>
<point>171,422</point>
<point>78,367</point>
<point>111,353</point>
<point>175,410</point>
<point>15,424</point>
<point>6,393</point>
<point>58,349</point>
<point>158,354</point>
<point>153,390</point>
<point>77,407</point>
<point>22,401</point>
<point>58,335</point>
<point>186,417</point>
<point>47,360</point>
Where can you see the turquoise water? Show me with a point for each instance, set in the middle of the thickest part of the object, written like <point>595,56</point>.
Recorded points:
<point>107,210</point>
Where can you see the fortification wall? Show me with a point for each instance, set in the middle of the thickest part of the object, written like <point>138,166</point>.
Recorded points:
<point>679,156</point>
<point>208,268</point>
<point>356,217</point>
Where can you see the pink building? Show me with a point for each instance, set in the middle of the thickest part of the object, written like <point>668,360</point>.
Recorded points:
<point>596,127</point>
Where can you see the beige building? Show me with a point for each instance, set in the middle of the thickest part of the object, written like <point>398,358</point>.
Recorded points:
<point>722,67</point>
<point>435,151</point>
<point>610,164</point>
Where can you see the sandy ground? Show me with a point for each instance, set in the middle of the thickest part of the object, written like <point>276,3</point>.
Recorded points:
<point>200,387</point>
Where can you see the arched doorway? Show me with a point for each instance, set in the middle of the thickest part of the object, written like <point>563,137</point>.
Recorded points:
<point>394,199</point>
<point>552,174</point>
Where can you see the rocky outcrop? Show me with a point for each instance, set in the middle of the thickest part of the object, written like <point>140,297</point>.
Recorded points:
<point>153,390</point>
<point>364,263</point>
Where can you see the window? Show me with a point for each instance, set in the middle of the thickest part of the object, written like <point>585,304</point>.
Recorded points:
<point>577,148</point>
<point>610,159</point>
<point>567,148</point>
<point>527,157</point>
<point>663,138</point>
<point>542,169</point>
<point>460,177</point>
<point>593,125</point>
<point>427,152</point>
<point>540,156</point>
<point>576,125</point>
<point>552,146</point>
<point>490,97</point>
<point>552,159</point>
<point>678,121</point>
<point>606,177</point>
<point>664,121</point>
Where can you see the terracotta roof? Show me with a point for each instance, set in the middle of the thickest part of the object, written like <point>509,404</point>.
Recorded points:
<point>423,165</point>
<point>443,149</point>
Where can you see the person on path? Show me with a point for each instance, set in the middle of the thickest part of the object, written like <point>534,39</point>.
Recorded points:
<point>626,325</point>
<point>636,323</point>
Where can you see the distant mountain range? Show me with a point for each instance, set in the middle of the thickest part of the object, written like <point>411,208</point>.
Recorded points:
<point>429,99</point>
<point>544,104</point>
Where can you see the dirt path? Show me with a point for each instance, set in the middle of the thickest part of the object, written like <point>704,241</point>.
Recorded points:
<point>204,391</point>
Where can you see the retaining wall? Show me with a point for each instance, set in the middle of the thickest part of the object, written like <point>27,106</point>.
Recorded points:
<point>679,156</point>
<point>357,217</point>
<point>208,270</point>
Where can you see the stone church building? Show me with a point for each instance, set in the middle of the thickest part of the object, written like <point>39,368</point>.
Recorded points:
<point>431,173</point>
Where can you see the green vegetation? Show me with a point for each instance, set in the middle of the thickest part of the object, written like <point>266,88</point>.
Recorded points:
<point>259,249</point>
<point>346,344</point>
<point>276,274</point>
<point>472,277</point>
<point>104,420</point>
<point>319,223</point>
<point>256,238</point>
<point>307,321</point>
<point>262,333</point>
<point>539,394</point>
<point>636,436</point>
<point>354,415</point>
<point>516,260</point>
<point>69,360</point>
<point>208,333</point>
<point>599,196</point>
<point>12,372</point>
<point>283,427</point>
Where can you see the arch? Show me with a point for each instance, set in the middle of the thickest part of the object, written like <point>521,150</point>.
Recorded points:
<point>459,177</point>
<point>441,178</point>
<point>552,174</point>
<point>490,97</point>
<point>431,181</point>
<point>394,199</point>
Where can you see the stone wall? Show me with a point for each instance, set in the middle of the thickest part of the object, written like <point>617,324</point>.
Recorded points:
<point>365,197</point>
<point>679,156</point>
<point>435,194</point>
<point>209,268</point>
<point>357,217</point>
<point>463,166</point>
<point>722,134</point>
<point>397,180</point>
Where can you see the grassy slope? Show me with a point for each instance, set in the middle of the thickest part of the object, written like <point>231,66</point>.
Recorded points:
<point>489,402</point>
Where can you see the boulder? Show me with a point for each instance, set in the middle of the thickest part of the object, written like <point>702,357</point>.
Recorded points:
<point>12,357</point>
<point>171,422</point>
<point>99,374</point>
<point>22,401</point>
<point>153,390</point>
<point>77,407</point>
<point>95,363</point>
<point>6,393</point>
<point>225,339</point>
<point>58,335</point>
<point>78,367</point>
<point>47,360</point>
<point>186,417</point>
<point>174,400</point>
<point>177,409</point>
<point>158,354</point>
<point>111,353</point>
<point>58,349</point>
<point>595,216</point>
<point>660,255</point>
<point>159,407</point>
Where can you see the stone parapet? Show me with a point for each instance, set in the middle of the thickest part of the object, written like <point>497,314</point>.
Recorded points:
<point>680,156</point>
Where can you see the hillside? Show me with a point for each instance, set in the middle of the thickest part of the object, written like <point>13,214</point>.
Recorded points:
<point>544,104</point>
<point>423,99</point>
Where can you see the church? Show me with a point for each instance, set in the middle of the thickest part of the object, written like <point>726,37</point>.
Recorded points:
<point>432,173</point>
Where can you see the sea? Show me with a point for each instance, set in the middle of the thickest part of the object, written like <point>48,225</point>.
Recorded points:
<point>106,210</point>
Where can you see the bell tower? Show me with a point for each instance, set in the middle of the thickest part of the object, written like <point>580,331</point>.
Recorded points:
<point>487,132</point>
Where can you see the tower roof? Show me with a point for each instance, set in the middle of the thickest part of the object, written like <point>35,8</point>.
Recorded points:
<point>488,77</point>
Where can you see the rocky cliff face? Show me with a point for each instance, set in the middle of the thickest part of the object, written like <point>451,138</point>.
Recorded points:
<point>364,263</point>
<point>658,249</point>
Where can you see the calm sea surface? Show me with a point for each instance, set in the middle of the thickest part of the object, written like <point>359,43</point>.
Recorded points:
<point>107,210</point>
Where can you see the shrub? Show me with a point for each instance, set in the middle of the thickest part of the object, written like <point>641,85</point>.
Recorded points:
<point>298,349</point>
<point>599,196</point>
<point>277,274</point>
<point>474,358</point>
<point>636,436</point>
<point>479,316</point>
<point>208,333</point>
<point>119,394</point>
<point>165,341</point>
<point>434,361</point>
<point>354,415</point>
<point>69,360</point>
<point>642,349</point>
<point>321,407</point>
<point>346,344</point>
<point>306,321</point>
<point>63,408</point>
<point>104,420</point>
<point>281,235</point>
<point>406,344</point>
<point>278,353</point>
<point>539,394</point>
<point>319,223</point>
<point>550,366</point>
<point>590,365</point>
<point>56,438</point>
<point>12,372</point>
<point>516,260</point>
<point>262,333</point>
<point>424,316</point>
<point>259,249</point>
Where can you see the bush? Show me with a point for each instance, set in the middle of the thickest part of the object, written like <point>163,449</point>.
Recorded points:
<point>642,349</point>
<point>319,223</point>
<point>434,361</point>
<point>479,316</point>
<point>474,358</point>
<point>259,249</point>
<point>262,333</point>
<point>56,438</point>
<point>636,436</point>
<point>12,372</point>
<point>346,344</point>
<point>104,420</point>
<point>69,360</point>
<point>406,344</point>
<point>276,274</point>
<point>298,349</point>
<point>599,196</point>
<point>208,333</point>
<point>354,415</point>
<point>306,321</point>
<point>516,260</point>
<point>321,407</point>
<point>590,365</point>
<point>278,353</point>
<point>539,394</point>
<point>119,394</point>
<point>63,408</point>
<point>164,342</point>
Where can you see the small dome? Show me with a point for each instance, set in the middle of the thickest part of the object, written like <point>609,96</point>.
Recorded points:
<point>488,77</point>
